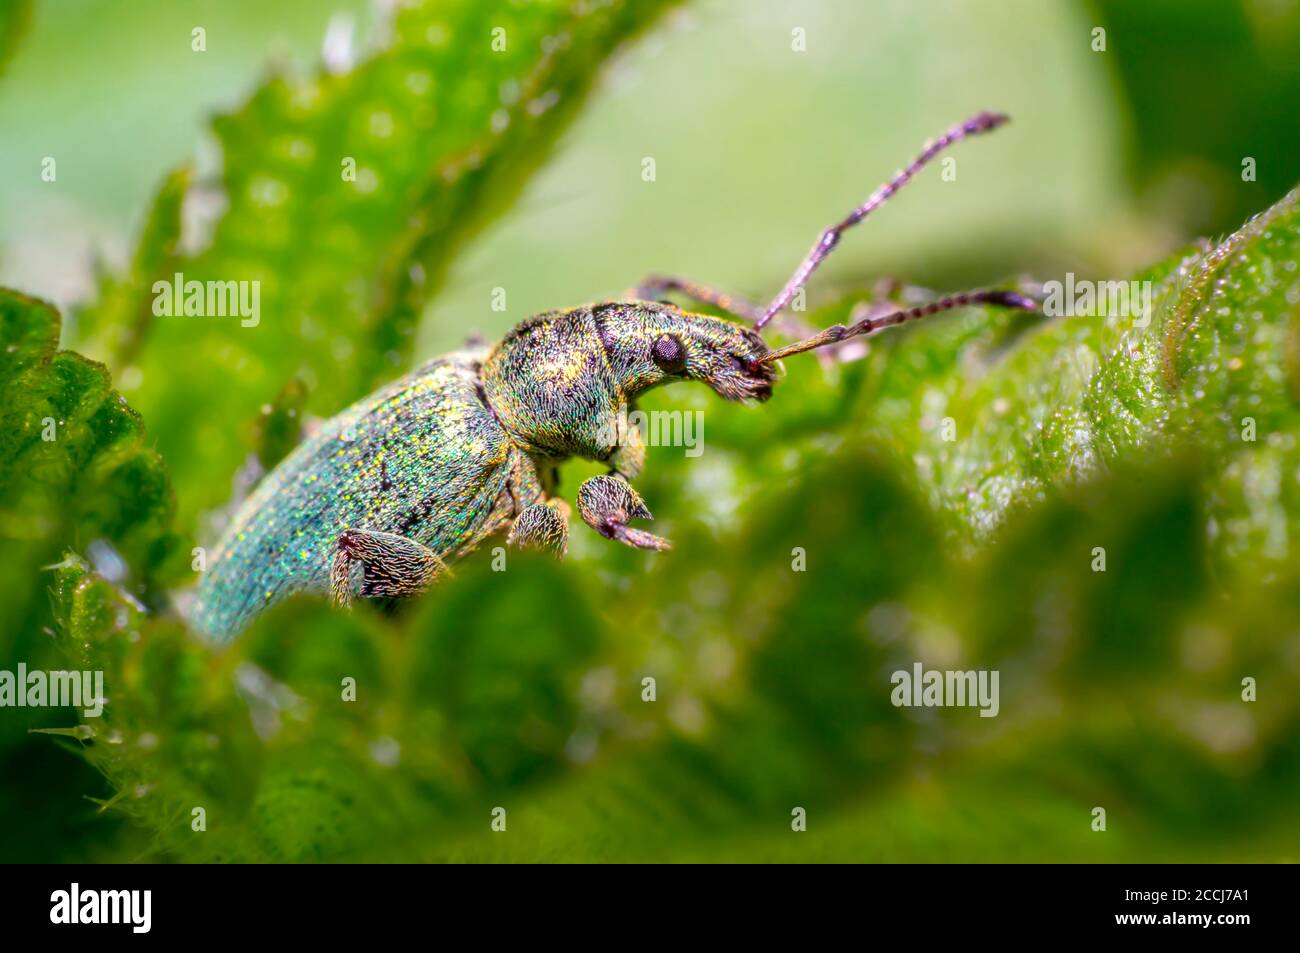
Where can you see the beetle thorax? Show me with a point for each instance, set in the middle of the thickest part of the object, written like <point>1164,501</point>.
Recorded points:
<point>552,387</point>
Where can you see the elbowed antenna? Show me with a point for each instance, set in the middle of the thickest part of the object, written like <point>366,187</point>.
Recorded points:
<point>984,122</point>
<point>841,332</point>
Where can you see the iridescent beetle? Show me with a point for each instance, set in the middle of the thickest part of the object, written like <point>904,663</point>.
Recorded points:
<point>385,495</point>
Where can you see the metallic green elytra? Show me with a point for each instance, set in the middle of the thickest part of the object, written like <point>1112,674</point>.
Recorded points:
<point>383,497</point>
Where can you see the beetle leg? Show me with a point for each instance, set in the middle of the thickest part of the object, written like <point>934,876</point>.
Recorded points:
<point>627,460</point>
<point>389,566</point>
<point>607,503</point>
<point>543,526</point>
<point>655,287</point>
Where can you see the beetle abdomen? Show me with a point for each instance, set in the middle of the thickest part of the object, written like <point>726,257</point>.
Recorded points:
<point>424,458</point>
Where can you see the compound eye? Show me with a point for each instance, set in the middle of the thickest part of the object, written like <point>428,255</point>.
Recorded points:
<point>669,354</point>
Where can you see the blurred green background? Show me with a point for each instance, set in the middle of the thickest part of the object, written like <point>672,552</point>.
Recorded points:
<point>524,689</point>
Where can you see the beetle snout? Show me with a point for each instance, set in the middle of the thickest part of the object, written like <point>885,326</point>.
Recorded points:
<point>738,376</point>
<point>758,378</point>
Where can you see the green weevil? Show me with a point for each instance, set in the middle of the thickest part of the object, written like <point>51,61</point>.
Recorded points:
<point>383,497</point>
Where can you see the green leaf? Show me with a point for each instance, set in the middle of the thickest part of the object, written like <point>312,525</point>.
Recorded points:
<point>1215,366</point>
<point>1118,689</point>
<point>321,735</point>
<point>76,471</point>
<point>74,463</point>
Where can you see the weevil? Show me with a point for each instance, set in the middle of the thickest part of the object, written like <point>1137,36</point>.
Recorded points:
<point>382,498</point>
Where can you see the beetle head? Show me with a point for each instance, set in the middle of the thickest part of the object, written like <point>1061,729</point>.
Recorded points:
<point>656,343</point>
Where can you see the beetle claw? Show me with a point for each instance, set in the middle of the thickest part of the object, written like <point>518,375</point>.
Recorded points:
<point>638,538</point>
<point>608,503</point>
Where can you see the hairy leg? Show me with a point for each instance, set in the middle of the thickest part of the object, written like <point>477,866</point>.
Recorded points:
<point>544,526</point>
<point>387,565</point>
<point>607,503</point>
